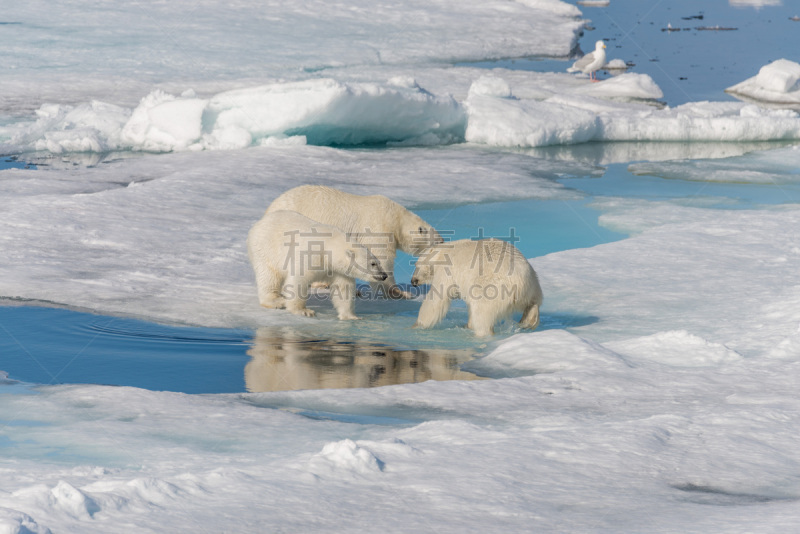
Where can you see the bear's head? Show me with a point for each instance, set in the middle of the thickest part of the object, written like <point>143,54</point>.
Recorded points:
<point>417,235</point>
<point>363,264</point>
<point>428,258</point>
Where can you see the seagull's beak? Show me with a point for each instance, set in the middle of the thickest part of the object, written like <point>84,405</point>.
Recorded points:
<point>604,45</point>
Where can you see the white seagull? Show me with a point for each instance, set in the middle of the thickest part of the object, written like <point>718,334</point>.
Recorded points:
<point>592,61</point>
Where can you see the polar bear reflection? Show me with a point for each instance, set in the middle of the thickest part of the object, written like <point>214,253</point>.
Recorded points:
<point>283,360</point>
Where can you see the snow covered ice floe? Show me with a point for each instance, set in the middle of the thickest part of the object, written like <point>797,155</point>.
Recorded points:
<point>776,83</point>
<point>578,116</point>
<point>323,112</point>
<point>695,270</point>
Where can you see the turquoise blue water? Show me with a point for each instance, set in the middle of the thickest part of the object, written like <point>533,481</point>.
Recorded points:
<point>536,227</point>
<point>57,346</point>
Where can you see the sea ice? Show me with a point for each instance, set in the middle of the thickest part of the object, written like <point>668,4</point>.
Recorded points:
<point>525,110</point>
<point>573,119</point>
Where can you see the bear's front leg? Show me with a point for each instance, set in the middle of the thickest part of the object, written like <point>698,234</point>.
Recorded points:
<point>296,294</point>
<point>342,294</point>
<point>269,285</point>
<point>433,309</point>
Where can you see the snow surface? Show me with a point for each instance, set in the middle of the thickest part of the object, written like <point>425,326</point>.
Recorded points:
<point>660,394</point>
<point>77,50</point>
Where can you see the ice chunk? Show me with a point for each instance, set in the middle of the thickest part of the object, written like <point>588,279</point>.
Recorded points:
<point>344,458</point>
<point>617,64</point>
<point>490,86</point>
<point>755,3</point>
<point>163,123</point>
<point>777,82</point>
<point>16,522</point>
<point>73,501</point>
<point>94,127</point>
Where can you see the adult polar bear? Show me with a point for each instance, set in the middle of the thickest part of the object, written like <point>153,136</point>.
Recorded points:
<point>375,221</point>
<point>289,252</point>
<point>491,276</point>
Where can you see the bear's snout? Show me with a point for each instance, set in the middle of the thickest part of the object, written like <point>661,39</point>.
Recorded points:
<point>415,282</point>
<point>381,277</point>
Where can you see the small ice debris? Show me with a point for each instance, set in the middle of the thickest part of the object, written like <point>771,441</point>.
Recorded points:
<point>715,29</point>
<point>73,501</point>
<point>616,64</point>
<point>755,3</point>
<point>491,86</point>
<point>409,82</point>
<point>795,18</point>
<point>346,456</point>
<point>594,3</point>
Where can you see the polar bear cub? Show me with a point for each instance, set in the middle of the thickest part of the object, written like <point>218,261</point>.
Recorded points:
<point>379,223</point>
<point>491,276</point>
<point>289,252</point>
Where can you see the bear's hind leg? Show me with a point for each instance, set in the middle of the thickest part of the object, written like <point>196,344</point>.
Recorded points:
<point>530,317</point>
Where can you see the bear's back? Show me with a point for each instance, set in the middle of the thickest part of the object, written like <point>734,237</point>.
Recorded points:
<point>288,234</point>
<point>347,211</point>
